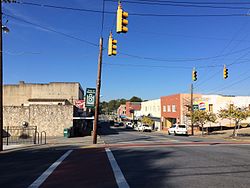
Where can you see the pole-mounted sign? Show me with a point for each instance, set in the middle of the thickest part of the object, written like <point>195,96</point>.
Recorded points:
<point>90,97</point>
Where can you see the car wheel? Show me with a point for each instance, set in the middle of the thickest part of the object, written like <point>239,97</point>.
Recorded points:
<point>169,133</point>
<point>175,133</point>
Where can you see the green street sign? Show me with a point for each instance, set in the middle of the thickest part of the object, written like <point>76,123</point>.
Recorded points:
<point>90,97</point>
<point>195,107</point>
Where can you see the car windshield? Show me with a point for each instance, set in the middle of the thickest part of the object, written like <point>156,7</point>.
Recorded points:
<point>182,126</point>
<point>173,126</point>
<point>145,125</point>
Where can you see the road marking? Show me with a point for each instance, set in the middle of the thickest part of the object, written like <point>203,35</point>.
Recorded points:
<point>46,174</point>
<point>119,177</point>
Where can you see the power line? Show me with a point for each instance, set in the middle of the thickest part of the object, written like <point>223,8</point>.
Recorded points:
<point>185,59</point>
<point>184,5</point>
<point>228,44</point>
<point>191,2</point>
<point>133,14</point>
<point>242,80</point>
<point>52,30</point>
<point>169,66</point>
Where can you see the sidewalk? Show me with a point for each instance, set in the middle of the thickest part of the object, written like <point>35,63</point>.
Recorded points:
<point>73,142</point>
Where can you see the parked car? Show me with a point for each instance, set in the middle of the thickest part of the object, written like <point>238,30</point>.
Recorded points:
<point>147,128</point>
<point>116,124</point>
<point>144,128</point>
<point>178,129</point>
<point>129,125</point>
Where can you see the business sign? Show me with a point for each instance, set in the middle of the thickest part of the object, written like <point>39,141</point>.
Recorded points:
<point>202,106</point>
<point>80,104</point>
<point>90,97</point>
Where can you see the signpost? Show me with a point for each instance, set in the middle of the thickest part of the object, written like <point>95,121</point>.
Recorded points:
<point>90,97</point>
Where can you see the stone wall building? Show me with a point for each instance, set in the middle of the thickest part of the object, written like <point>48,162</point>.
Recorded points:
<point>20,94</point>
<point>50,106</point>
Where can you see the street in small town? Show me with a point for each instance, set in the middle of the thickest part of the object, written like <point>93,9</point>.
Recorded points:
<point>124,93</point>
<point>129,158</point>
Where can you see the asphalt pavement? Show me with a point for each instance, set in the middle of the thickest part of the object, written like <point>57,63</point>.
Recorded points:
<point>128,158</point>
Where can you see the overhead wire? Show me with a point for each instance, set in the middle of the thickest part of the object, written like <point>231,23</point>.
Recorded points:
<point>132,14</point>
<point>200,2</point>
<point>228,44</point>
<point>52,30</point>
<point>183,5</point>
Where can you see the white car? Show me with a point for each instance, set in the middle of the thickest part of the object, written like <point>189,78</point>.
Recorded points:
<point>129,125</point>
<point>178,129</point>
<point>144,128</point>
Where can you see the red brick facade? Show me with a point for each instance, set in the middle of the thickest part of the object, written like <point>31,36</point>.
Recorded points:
<point>131,107</point>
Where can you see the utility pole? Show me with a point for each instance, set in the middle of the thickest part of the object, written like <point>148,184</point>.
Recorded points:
<point>98,87</point>
<point>192,109</point>
<point>1,81</point>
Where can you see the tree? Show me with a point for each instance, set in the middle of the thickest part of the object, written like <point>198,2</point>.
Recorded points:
<point>236,114</point>
<point>122,101</point>
<point>135,99</point>
<point>147,120</point>
<point>201,117</point>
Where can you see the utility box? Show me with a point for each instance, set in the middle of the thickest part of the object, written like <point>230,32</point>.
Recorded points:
<point>66,133</point>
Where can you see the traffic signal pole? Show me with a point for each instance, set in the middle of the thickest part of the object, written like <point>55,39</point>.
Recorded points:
<point>98,87</point>
<point>192,109</point>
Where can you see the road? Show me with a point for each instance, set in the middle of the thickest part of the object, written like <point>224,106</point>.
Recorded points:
<point>131,159</point>
<point>182,162</point>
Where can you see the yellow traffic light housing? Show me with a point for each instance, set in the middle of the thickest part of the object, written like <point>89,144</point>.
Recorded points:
<point>112,46</point>
<point>194,75</point>
<point>225,72</point>
<point>121,22</point>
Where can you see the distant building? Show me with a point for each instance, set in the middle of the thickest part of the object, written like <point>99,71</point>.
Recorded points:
<point>121,111</point>
<point>174,108</point>
<point>152,109</point>
<point>132,108</point>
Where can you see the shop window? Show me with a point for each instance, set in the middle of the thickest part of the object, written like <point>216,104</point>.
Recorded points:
<point>210,108</point>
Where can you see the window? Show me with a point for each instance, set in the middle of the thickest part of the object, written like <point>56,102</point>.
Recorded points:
<point>164,108</point>
<point>182,126</point>
<point>210,107</point>
<point>173,108</point>
<point>169,108</point>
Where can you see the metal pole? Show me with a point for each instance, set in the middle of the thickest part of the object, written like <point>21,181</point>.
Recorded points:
<point>192,109</point>
<point>98,87</point>
<point>1,82</point>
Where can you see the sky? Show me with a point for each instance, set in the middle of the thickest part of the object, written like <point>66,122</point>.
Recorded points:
<point>164,42</point>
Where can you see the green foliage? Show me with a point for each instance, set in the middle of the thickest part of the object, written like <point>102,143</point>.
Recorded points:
<point>147,120</point>
<point>234,113</point>
<point>201,117</point>
<point>113,105</point>
<point>135,99</point>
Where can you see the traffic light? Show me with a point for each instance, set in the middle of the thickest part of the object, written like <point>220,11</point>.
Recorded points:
<point>112,46</point>
<point>194,75</point>
<point>121,22</point>
<point>225,72</point>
